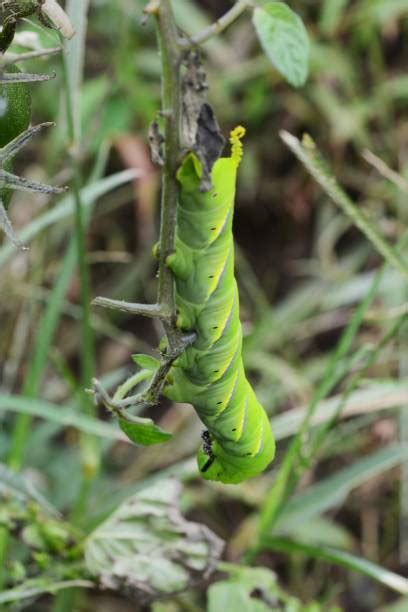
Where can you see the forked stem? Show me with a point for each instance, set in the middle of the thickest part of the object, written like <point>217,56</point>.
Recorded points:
<point>149,397</point>
<point>218,26</point>
<point>165,308</point>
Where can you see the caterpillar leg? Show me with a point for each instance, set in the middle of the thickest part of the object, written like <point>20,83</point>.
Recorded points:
<point>180,263</point>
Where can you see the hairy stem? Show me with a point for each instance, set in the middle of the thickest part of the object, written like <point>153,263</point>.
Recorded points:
<point>154,311</point>
<point>19,57</point>
<point>149,397</point>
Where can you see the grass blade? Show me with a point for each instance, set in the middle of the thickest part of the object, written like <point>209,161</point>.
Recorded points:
<point>63,416</point>
<point>65,209</point>
<point>345,559</point>
<point>381,396</point>
<point>332,491</point>
<point>34,588</point>
<point>284,485</point>
<point>307,152</point>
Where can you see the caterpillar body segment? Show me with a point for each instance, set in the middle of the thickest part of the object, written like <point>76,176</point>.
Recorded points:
<point>238,443</point>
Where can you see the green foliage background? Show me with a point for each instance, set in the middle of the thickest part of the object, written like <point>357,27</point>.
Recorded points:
<point>330,517</point>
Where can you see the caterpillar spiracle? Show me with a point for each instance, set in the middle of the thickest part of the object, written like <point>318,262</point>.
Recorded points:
<point>238,443</point>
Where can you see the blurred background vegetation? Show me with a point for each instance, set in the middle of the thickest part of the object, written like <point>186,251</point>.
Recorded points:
<point>303,270</point>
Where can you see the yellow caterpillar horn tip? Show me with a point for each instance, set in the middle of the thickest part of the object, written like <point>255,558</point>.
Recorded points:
<point>237,149</point>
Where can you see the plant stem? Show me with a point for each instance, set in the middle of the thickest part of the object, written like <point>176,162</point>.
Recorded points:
<point>165,307</point>
<point>171,109</point>
<point>19,57</point>
<point>218,26</point>
<point>130,383</point>
<point>154,311</point>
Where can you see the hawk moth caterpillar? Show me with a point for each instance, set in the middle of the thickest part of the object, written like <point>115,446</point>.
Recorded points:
<point>238,442</point>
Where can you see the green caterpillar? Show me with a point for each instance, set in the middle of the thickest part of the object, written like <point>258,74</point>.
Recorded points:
<point>238,443</point>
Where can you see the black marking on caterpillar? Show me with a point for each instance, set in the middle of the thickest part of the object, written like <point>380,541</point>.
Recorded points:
<point>207,449</point>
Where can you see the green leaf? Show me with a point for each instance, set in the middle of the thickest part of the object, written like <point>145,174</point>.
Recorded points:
<point>146,362</point>
<point>230,596</point>
<point>284,39</point>
<point>144,431</point>
<point>236,593</point>
<point>254,589</point>
<point>320,530</point>
<point>147,549</point>
<point>41,586</point>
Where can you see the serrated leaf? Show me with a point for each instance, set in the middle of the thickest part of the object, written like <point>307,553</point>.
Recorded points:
<point>144,431</point>
<point>284,39</point>
<point>146,362</point>
<point>147,549</point>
